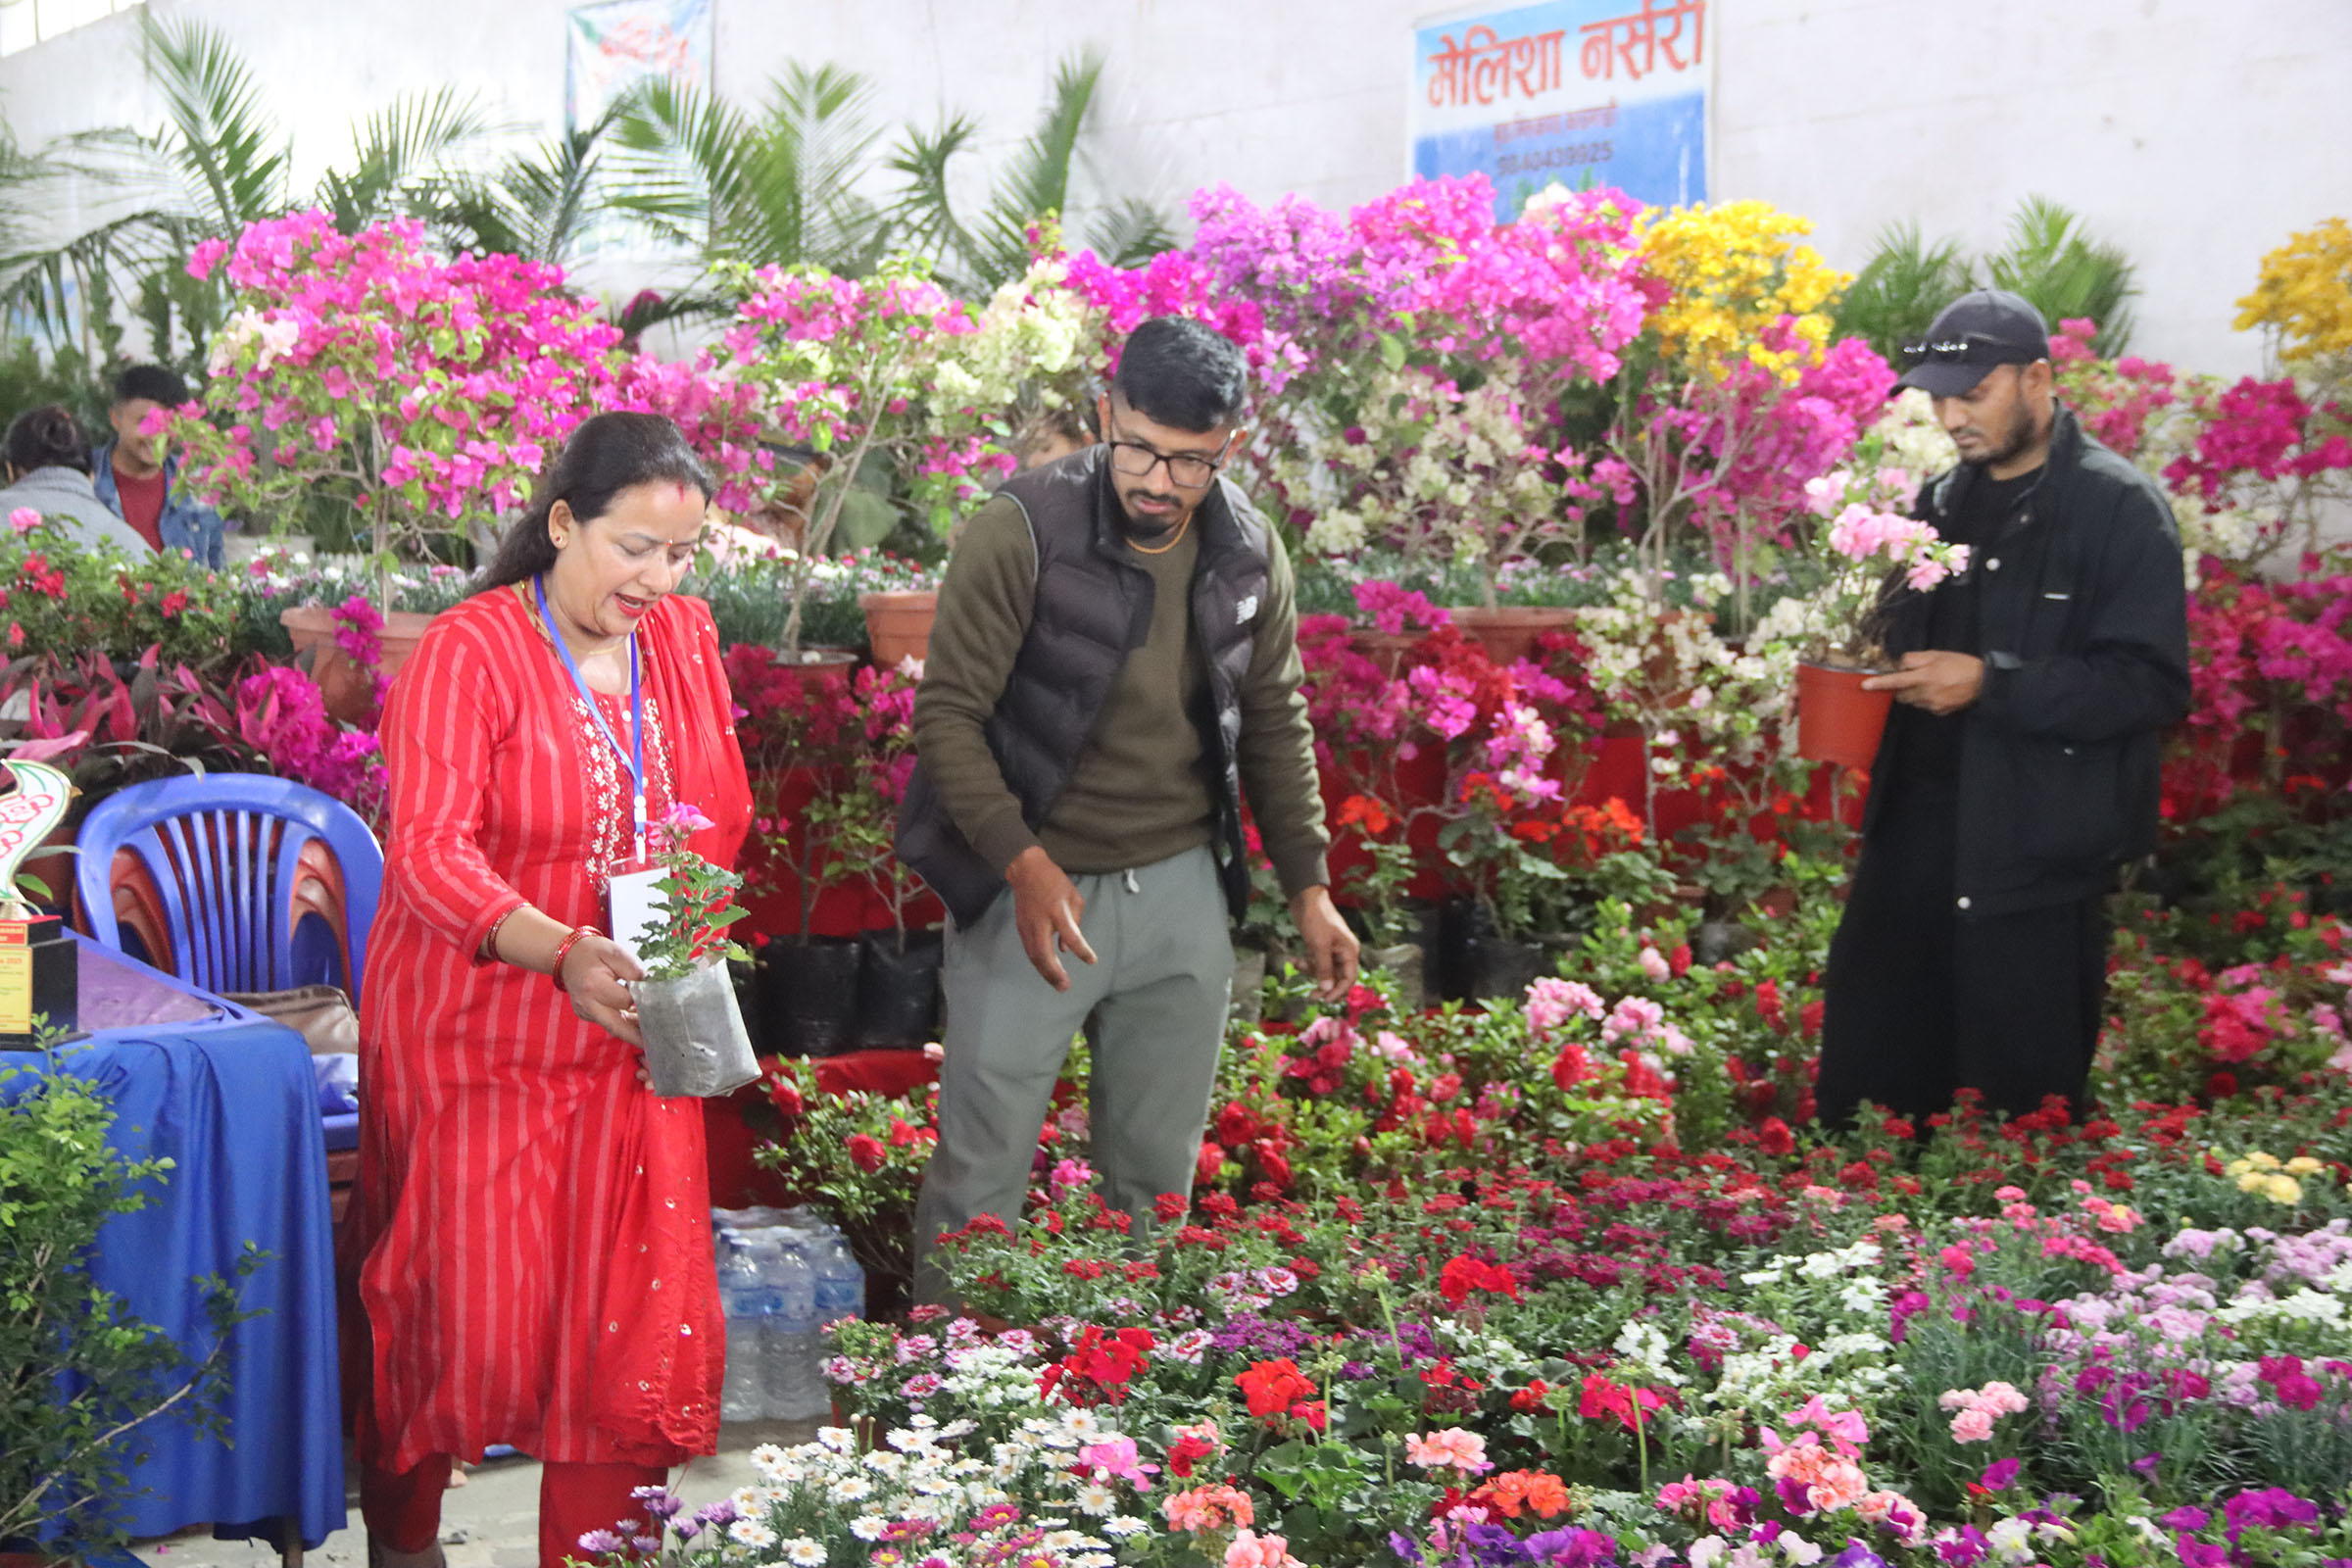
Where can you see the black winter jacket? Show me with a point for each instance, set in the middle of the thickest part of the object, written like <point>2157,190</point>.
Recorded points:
<point>2083,625</point>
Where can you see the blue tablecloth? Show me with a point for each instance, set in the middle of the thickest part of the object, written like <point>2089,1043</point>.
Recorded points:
<point>230,1098</point>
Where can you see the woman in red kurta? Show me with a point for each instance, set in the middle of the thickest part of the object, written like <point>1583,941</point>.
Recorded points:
<point>531,1222</point>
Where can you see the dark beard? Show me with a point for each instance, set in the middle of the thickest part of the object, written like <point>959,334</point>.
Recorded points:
<point>1149,530</point>
<point>2019,437</point>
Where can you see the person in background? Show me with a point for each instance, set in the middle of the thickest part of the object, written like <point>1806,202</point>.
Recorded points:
<point>138,475</point>
<point>48,460</point>
<point>527,1258</point>
<point>1049,435</point>
<point>1114,663</point>
<point>2019,766</point>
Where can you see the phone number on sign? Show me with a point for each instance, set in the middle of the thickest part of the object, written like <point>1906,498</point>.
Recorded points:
<point>1527,163</point>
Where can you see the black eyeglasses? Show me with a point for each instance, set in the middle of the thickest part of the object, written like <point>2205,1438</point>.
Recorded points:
<point>1136,461</point>
<point>1971,348</point>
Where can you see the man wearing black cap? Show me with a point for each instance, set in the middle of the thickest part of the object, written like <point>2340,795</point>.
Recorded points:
<point>2019,767</point>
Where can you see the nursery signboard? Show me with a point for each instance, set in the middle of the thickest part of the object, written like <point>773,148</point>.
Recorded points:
<point>1577,92</point>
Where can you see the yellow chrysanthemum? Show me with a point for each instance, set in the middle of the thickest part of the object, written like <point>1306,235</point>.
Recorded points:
<point>1733,270</point>
<point>2305,294</point>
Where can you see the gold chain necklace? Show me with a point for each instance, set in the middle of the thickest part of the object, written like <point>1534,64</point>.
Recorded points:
<point>1161,550</point>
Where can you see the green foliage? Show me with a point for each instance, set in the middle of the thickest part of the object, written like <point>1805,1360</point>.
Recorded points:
<point>2053,261</point>
<point>770,187</point>
<point>63,1457</point>
<point>1033,188</point>
<point>2050,258</point>
<point>1900,289</point>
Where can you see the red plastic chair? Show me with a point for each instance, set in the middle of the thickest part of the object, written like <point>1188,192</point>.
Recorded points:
<point>233,881</point>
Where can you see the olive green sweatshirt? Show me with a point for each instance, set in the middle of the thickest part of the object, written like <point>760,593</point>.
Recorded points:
<point>1142,791</point>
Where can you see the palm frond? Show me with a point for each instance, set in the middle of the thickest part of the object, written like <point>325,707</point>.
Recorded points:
<point>1130,233</point>
<point>401,149</point>
<point>774,190</point>
<point>220,139</point>
<point>536,203</point>
<point>1898,292</point>
<point>924,214</point>
<point>2052,260</point>
<point>1036,182</point>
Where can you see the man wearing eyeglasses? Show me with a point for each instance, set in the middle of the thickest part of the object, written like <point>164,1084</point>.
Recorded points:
<point>2019,767</point>
<point>1113,666</point>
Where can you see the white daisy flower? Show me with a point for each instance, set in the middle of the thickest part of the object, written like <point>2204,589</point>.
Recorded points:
<point>802,1552</point>
<point>869,1526</point>
<point>751,1533</point>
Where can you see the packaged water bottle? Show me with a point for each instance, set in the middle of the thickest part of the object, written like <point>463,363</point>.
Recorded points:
<point>743,1295</point>
<point>787,1340</point>
<point>840,1280</point>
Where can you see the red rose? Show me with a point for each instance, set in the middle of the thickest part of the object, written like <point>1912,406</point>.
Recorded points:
<point>785,1095</point>
<point>1169,1206</point>
<point>1774,1137</point>
<point>1209,1163</point>
<point>867,1153</point>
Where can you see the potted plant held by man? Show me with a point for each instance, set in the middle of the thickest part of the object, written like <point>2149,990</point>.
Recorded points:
<point>695,1041</point>
<point>1866,555</point>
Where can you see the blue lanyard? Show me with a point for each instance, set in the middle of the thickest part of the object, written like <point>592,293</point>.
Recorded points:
<point>632,757</point>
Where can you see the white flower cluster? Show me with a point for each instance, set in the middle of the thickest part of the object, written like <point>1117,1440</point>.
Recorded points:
<point>920,1486</point>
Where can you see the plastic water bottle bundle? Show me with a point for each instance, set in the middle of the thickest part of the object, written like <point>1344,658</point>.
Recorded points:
<point>840,1279</point>
<point>790,1388</point>
<point>743,1294</point>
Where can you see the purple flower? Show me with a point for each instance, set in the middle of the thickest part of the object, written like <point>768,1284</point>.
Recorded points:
<point>2199,1554</point>
<point>1963,1547</point>
<point>721,1512</point>
<point>659,1502</point>
<point>2189,1518</point>
<point>1572,1549</point>
<point>2148,1463</point>
<point>1404,1548</point>
<point>1998,1475</point>
<point>600,1542</point>
<point>1857,1555</point>
<point>2271,1508</point>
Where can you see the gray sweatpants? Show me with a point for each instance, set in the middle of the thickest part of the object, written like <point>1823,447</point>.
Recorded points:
<point>1163,981</point>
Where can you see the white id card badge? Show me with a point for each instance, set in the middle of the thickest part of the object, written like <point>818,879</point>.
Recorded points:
<point>636,904</point>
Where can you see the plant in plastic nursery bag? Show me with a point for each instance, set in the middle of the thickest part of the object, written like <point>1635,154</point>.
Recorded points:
<point>695,1041</point>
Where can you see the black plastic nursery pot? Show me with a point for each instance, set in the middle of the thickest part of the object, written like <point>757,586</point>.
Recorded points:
<point>1479,965</point>
<point>809,997</point>
<point>897,989</point>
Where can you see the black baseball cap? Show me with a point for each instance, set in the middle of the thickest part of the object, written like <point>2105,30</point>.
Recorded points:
<point>1977,332</point>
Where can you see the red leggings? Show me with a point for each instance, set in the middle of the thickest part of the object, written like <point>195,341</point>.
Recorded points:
<point>404,1511</point>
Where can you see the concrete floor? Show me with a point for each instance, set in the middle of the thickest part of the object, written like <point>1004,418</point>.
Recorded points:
<point>490,1522</point>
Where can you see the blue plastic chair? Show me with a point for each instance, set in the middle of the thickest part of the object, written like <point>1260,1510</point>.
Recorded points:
<point>233,881</point>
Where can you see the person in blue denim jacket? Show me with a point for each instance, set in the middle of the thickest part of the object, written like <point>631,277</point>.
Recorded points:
<point>138,475</point>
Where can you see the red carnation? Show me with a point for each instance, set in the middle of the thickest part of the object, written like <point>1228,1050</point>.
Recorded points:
<point>866,1153</point>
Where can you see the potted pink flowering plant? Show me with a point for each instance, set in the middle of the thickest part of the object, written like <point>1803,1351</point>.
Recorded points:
<point>1868,555</point>
<point>694,1040</point>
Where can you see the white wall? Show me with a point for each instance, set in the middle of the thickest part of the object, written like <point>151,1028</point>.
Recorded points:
<point>2198,134</point>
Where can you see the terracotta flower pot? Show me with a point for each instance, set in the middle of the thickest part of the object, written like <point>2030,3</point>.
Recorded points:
<point>1837,720</point>
<point>349,690</point>
<point>816,661</point>
<point>1386,649</point>
<point>1509,631</point>
<point>898,624</point>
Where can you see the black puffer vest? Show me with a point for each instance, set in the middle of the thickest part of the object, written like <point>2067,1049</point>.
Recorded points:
<point>1093,606</point>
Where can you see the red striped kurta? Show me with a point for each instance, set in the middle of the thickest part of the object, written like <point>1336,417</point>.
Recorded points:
<point>533,1222</point>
